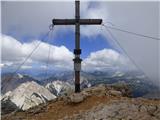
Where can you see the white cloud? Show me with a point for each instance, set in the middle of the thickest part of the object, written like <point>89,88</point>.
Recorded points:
<point>14,53</point>
<point>139,17</point>
<point>31,13</point>
<point>107,59</point>
<point>11,49</point>
<point>94,12</point>
<point>26,67</point>
<point>1,65</point>
<point>60,56</point>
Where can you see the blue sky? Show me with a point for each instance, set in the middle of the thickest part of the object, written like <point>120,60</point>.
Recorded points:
<point>87,44</point>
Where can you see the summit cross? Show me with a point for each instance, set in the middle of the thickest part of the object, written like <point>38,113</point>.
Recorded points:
<point>77,51</point>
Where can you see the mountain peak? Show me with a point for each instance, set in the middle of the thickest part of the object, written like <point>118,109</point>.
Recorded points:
<point>29,94</point>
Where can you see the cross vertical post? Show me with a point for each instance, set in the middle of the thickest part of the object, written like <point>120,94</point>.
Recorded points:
<point>77,51</point>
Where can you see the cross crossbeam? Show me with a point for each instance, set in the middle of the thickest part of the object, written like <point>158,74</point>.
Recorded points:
<point>77,51</point>
<point>73,21</point>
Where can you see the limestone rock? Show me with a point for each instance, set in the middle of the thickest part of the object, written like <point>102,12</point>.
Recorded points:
<point>28,95</point>
<point>75,98</point>
<point>99,90</point>
<point>121,110</point>
<point>115,93</point>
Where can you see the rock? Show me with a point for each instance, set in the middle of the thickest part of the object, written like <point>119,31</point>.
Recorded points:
<point>8,106</point>
<point>99,90</point>
<point>151,108</point>
<point>28,95</point>
<point>75,98</point>
<point>115,93</point>
<point>123,87</point>
<point>142,108</point>
<point>86,94</point>
<point>119,110</point>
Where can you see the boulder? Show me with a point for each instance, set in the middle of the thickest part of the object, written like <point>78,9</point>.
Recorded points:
<point>99,90</point>
<point>115,93</point>
<point>75,98</point>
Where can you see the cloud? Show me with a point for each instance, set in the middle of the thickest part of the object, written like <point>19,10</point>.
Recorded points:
<point>93,10</point>
<point>11,49</point>
<point>37,16</point>
<point>1,65</point>
<point>107,59</point>
<point>33,18</point>
<point>140,17</point>
<point>14,52</point>
<point>26,67</point>
<point>60,57</point>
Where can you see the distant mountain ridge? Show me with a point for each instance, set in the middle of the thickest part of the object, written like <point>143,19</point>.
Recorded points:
<point>137,81</point>
<point>10,82</point>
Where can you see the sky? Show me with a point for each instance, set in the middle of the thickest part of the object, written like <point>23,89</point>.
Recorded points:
<point>24,24</point>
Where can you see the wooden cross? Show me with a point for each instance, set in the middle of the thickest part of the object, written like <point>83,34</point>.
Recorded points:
<point>77,51</point>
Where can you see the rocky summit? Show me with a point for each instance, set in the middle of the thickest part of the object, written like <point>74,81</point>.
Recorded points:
<point>102,102</point>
